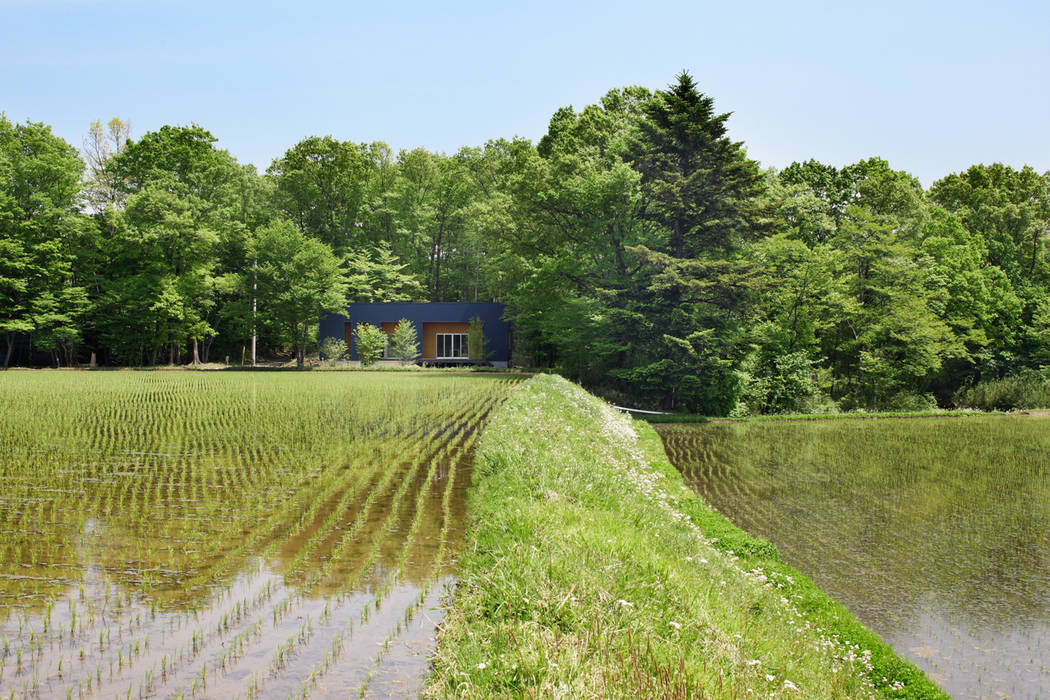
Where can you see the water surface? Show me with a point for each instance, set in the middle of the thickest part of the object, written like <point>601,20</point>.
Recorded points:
<point>229,535</point>
<point>934,532</point>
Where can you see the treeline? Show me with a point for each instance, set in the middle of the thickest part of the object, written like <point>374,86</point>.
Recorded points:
<point>638,249</point>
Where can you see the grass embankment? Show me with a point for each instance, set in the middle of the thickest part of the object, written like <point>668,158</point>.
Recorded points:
<point>590,570</point>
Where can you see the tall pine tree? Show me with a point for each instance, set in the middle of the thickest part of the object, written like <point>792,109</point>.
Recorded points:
<point>698,187</point>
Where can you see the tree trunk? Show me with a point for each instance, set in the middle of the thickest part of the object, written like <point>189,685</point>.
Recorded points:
<point>10,347</point>
<point>196,357</point>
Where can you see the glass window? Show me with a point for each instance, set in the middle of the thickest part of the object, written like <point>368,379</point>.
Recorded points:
<point>452,346</point>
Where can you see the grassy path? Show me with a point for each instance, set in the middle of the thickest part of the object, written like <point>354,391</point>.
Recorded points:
<point>590,570</point>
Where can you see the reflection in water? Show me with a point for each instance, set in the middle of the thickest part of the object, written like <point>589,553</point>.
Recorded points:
<point>166,539</point>
<point>934,532</point>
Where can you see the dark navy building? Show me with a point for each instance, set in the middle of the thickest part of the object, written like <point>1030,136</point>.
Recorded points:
<point>441,328</point>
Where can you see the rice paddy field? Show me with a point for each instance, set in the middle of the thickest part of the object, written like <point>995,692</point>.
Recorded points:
<point>934,532</point>
<point>194,534</point>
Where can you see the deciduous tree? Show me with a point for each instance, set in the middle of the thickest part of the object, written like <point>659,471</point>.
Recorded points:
<point>298,281</point>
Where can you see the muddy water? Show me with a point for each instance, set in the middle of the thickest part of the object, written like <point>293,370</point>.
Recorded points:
<point>365,625</point>
<point>935,533</point>
<point>259,630</point>
<point>209,571</point>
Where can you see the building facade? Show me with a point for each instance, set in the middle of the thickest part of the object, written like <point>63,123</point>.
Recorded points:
<point>441,328</point>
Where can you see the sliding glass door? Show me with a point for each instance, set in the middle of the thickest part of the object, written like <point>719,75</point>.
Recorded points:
<point>451,346</point>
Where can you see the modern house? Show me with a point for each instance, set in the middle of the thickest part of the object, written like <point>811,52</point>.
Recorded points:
<point>441,328</point>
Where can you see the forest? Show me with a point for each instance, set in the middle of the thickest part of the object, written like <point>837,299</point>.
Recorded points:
<point>639,251</point>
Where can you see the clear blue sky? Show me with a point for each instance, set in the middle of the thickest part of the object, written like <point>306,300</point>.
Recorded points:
<point>933,87</point>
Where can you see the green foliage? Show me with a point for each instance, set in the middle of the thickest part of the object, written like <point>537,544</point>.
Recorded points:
<point>332,349</point>
<point>1009,209</point>
<point>779,384</point>
<point>636,246</point>
<point>404,341</point>
<point>477,351</point>
<point>298,280</point>
<point>1030,390</point>
<point>374,275</point>
<point>321,186</point>
<point>699,184</point>
<point>39,226</point>
<point>173,237</point>
<point>370,340</point>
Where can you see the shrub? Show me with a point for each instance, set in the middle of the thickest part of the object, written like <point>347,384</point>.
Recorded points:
<point>780,384</point>
<point>370,343</point>
<point>1023,391</point>
<point>476,351</point>
<point>403,343</point>
<point>332,349</point>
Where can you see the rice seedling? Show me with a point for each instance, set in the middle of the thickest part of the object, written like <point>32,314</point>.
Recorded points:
<point>159,530</point>
<point>934,532</point>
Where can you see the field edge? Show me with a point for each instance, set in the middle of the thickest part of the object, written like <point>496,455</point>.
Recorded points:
<point>586,554</point>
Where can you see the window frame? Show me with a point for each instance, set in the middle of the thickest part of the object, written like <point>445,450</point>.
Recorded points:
<point>451,346</point>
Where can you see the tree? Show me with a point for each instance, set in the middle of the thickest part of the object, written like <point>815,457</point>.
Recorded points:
<point>404,343</point>
<point>167,263</point>
<point>298,280</point>
<point>332,349</point>
<point>697,182</point>
<point>375,275</point>
<point>561,251</point>
<point>321,185</point>
<point>1009,209</point>
<point>100,146</point>
<point>476,345</point>
<point>700,189</point>
<point>39,222</point>
<point>869,282</point>
<point>371,340</point>
<point>887,338</point>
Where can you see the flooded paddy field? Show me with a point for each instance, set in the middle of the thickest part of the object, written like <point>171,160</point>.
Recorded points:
<point>175,534</point>
<point>934,532</point>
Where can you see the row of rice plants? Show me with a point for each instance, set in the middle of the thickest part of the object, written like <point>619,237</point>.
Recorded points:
<point>341,615</point>
<point>167,531</point>
<point>932,531</point>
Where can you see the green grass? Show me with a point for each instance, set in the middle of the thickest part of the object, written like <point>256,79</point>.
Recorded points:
<point>590,570</point>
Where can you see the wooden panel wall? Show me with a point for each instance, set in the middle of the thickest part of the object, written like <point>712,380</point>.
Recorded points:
<point>430,331</point>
